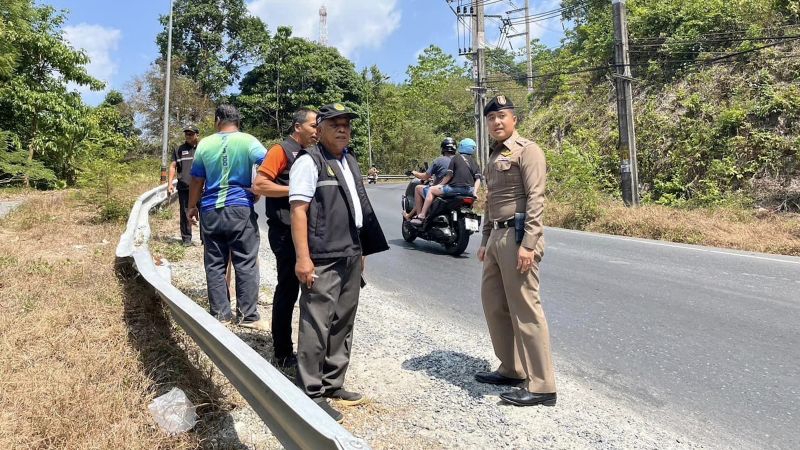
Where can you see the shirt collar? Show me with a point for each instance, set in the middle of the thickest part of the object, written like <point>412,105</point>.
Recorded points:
<point>508,143</point>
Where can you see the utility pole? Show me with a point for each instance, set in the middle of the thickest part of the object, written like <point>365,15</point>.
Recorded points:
<point>369,125</point>
<point>528,45</point>
<point>627,135</point>
<point>479,60</point>
<point>167,71</point>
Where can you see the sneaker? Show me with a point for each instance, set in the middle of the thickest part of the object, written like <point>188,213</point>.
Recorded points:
<point>259,325</point>
<point>345,398</point>
<point>325,406</point>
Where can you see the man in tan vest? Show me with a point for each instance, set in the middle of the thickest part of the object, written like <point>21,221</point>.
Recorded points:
<point>511,250</point>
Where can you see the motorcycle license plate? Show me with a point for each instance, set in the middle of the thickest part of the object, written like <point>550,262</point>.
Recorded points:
<point>472,225</point>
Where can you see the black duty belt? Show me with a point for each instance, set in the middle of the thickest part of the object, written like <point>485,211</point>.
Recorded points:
<point>503,224</point>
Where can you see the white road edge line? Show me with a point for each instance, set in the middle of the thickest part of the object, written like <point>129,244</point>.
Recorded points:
<point>681,246</point>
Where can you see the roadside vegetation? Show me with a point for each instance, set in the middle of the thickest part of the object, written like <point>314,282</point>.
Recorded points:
<point>83,354</point>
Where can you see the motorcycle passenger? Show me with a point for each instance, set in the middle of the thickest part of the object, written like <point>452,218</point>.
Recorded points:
<point>467,148</point>
<point>460,180</point>
<point>436,172</point>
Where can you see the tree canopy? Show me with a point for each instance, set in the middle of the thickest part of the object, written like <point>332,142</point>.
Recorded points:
<point>47,128</point>
<point>213,40</point>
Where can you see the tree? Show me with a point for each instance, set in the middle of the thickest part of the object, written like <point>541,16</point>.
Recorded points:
<point>12,18</point>
<point>48,132</point>
<point>294,73</point>
<point>187,105</point>
<point>36,104</point>
<point>213,40</point>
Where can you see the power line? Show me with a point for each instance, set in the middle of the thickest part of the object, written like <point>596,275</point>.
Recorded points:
<point>721,33</point>
<point>720,41</point>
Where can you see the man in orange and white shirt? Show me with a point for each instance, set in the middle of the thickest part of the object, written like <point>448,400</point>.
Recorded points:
<point>272,181</point>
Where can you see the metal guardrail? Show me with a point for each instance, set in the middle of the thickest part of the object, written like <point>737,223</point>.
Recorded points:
<point>293,418</point>
<point>394,177</point>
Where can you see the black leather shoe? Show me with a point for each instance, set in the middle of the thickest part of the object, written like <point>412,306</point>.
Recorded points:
<point>325,406</point>
<point>522,397</point>
<point>345,398</point>
<point>496,378</point>
<point>286,361</point>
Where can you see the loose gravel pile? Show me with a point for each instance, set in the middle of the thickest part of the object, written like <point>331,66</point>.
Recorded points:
<point>417,372</point>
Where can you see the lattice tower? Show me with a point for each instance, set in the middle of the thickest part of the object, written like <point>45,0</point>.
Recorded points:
<point>323,26</point>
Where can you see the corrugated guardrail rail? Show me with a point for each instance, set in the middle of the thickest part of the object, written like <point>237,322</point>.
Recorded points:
<point>294,418</point>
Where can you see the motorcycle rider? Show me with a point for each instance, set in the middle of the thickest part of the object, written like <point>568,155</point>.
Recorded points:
<point>437,171</point>
<point>460,180</point>
<point>372,174</point>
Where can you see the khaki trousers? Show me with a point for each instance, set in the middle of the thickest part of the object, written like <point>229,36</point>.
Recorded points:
<point>514,313</point>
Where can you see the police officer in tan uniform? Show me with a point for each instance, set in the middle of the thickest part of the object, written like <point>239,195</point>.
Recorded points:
<point>511,250</point>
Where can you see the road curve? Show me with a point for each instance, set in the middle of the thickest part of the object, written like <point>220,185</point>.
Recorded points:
<point>684,332</point>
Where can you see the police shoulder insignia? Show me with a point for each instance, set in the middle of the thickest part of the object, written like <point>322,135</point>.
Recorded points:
<point>506,153</point>
<point>501,100</point>
<point>338,107</point>
<point>331,173</point>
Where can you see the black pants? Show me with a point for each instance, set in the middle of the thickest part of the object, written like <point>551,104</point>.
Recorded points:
<point>280,241</point>
<point>231,232</point>
<point>186,224</point>
<point>327,315</point>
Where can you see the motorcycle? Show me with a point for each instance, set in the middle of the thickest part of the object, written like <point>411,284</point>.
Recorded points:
<point>372,179</point>
<point>450,222</point>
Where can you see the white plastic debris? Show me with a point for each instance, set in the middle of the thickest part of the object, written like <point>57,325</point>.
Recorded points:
<point>173,412</point>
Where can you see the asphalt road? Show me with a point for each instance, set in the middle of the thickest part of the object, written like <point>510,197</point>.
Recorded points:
<point>703,337</point>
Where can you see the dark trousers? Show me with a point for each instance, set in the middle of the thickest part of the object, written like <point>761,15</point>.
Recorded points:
<point>327,314</point>
<point>280,241</point>
<point>186,224</point>
<point>231,232</point>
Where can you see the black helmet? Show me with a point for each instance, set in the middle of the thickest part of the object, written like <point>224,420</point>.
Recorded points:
<point>449,145</point>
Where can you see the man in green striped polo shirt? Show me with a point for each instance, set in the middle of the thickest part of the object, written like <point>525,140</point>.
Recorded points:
<point>223,164</point>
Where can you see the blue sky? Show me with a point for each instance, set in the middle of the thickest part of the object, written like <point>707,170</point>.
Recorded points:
<point>120,36</point>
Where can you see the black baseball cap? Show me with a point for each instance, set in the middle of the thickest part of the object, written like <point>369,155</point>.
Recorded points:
<point>191,127</point>
<point>335,110</point>
<point>497,103</point>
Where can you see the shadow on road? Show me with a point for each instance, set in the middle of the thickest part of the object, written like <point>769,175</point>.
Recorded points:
<point>425,247</point>
<point>167,363</point>
<point>456,368</point>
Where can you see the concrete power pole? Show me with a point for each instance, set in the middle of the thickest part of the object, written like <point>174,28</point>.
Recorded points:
<point>167,71</point>
<point>528,45</point>
<point>629,171</point>
<point>479,61</point>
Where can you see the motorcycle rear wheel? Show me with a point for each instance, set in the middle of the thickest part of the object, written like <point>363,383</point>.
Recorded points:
<point>409,233</point>
<point>462,239</point>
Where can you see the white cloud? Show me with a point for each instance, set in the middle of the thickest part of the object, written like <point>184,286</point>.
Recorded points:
<point>99,43</point>
<point>352,24</point>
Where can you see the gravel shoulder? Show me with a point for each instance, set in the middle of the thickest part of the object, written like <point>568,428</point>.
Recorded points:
<point>417,372</point>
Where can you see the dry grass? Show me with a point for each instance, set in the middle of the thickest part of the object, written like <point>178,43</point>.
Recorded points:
<point>728,228</point>
<point>84,349</point>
